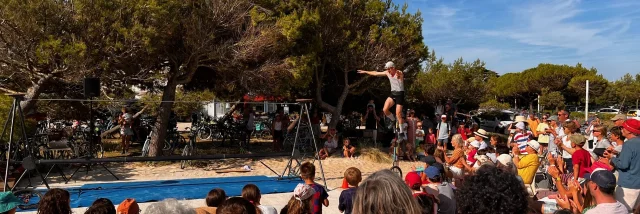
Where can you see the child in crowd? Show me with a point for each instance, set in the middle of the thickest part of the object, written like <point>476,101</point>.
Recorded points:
<point>473,149</point>
<point>581,158</point>
<point>330,145</point>
<point>55,201</point>
<point>130,206</point>
<point>101,206</point>
<point>236,205</point>
<point>353,177</point>
<point>347,149</point>
<point>215,197</point>
<point>308,174</point>
<point>251,192</point>
<point>431,138</point>
<point>426,200</point>
<point>413,180</point>
<point>301,201</point>
<point>420,143</point>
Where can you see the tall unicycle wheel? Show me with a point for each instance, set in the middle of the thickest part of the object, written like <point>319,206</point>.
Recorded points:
<point>396,143</point>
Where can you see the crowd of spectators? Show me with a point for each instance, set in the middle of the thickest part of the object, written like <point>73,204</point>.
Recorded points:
<point>601,175</point>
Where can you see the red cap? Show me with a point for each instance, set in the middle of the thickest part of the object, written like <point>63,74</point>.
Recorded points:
<point>632,125</point>
<point>412,179</point>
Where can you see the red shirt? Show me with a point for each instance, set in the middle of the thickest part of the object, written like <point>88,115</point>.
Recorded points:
<point>582,158</point>
<point>463,133</point>
<point>431,139</point>
<point>471,157</point>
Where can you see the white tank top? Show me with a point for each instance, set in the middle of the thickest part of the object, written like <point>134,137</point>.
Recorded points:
<point>396,83</point>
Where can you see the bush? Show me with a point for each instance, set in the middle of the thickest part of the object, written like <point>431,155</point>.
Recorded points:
<point>606,117</point>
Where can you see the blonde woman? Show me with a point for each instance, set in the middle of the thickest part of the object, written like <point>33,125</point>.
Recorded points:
<point>383,192</point>
<point>457,160</point>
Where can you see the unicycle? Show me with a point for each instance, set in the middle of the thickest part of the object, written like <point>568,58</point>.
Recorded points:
<point>397,141</point>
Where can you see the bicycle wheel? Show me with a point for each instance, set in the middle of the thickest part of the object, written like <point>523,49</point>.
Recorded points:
<point>397,171</point>
<point>145,148</point>
<point>29,198</point>
<point>186,152</point>
<point>204,133</point>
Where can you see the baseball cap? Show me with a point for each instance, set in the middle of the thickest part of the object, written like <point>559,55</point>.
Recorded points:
<point>439,166</point>
<point>8,201</point>
<point>429,160</point>
<point>632,125</point>
<point>553,118</point>
<point>443,116</point>
<point>432,172</point>
<point>389,65</point>
<point>128,206</point>
<point>602,177</point>
<point>619,117</point>
<point>599,151</point>
<point>534,144</point>
<point>412,179</point>
<point>520,125</point>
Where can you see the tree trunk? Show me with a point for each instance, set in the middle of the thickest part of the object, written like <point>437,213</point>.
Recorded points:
<point>164,111</point>
<point>336,111</point>
<point>33,93</point>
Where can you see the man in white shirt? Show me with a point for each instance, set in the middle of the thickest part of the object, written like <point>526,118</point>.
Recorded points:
<point>602,184</point>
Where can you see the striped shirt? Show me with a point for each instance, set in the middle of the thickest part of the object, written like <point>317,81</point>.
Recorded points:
<point>521,139</point>
<point>318,198</point>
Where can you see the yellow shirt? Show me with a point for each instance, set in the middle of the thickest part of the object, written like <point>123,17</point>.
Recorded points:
<point>543,138</point>
<point>533,125</point>
<point>527,167</point>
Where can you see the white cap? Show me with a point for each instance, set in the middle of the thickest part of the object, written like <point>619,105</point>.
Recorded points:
<point>520,125</point>
<point>389,64</point>
<point>534,144</point>
<point>504,159</point>
<point>475,144</point>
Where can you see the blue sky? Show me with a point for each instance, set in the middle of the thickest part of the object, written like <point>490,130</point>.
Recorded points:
<point>513,35</point>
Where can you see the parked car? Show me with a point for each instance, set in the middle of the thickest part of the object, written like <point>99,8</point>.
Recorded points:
<point>634,113</point>
<point>494,121</point>
<point>608,111</point>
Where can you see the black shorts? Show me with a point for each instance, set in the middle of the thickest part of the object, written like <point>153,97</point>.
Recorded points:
<point>397,97</point>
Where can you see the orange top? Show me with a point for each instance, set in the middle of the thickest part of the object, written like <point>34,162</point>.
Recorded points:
<point>457,159</point>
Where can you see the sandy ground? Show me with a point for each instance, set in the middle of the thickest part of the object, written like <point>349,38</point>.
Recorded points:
<point>334,168</point>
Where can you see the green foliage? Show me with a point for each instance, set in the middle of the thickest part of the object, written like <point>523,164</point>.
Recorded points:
<point>465,82</point>
<point>494,104</point>
<point>186,103</point>
<point>528,84</point>
<point>551,99</point>
<point>5,107</point>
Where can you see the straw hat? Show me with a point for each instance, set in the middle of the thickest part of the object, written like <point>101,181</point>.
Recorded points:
<point>520,119</point>
<point>481,132</point>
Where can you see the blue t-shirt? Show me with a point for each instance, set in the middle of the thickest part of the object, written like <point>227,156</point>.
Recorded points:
<point>346,200</point>
<point>628,164</point>
<point>318,198</point>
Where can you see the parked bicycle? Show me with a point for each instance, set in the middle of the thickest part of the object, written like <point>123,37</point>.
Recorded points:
<point>190,148</point>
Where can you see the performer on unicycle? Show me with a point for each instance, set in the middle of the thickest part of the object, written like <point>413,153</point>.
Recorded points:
<point>396,79</point>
